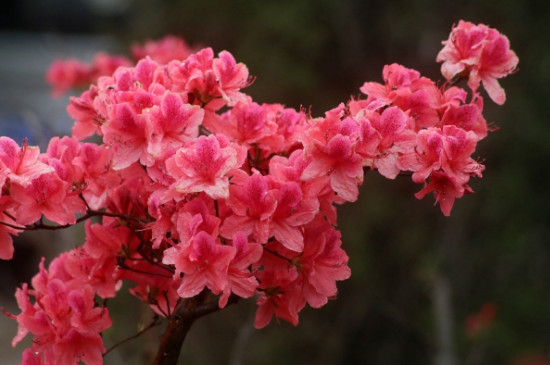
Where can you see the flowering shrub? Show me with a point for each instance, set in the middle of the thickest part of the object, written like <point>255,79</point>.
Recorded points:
<point>202,192</point>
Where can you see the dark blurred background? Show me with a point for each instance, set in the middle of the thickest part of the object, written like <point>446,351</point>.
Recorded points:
<point>470,289</point>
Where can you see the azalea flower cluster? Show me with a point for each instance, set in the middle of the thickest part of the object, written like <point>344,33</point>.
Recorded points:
<point>200,189</point>
<point>64,319</point>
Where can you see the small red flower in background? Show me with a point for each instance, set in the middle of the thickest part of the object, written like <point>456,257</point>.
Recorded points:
<point>532,358</point>
<point>476,323</point>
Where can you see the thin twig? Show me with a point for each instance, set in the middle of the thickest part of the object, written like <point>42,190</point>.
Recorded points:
<point>278,255</point>
<point>123,265</point>
<point>89,214</point>
<point>154,322</point>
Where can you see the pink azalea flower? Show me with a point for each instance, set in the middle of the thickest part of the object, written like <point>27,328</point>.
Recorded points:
<point>281,302</point>
<point>106,64</point>
<point>252,202</point>
<point>203,165</point>
<point>108,239</point>
<point>291,125</point>
<point>467,117</point>
<point>100,272</point>
<point>82,110</point>
<point>210,82</point>
<point>45,195</point>
<point>293,211</point>
<point>171,124</point>
<point>61,155</point>
<point>406,89</point>
<point>459,146</point>
<point>64,149</point>
<point>66,74</point>
<point>195,73</point>
<point>281,296</point>
<point>126,133</point>
<point>316,192</point>
<point>204,263</point>
<point>245,123</point>
<point>322,263</point>
<point>369,139</point>
<point>329,145</point>
<point>396,139</point>
<point>443,156</point>
<point>426,157</point>
<point>20,164</point>
<point>445,189</point>
<point>98,176</point>
<point>146,72</point>
<point>231,77</point>
<point>162,212</point>
<point>76,347</point>
<point>140,87</point>
<point>130,196</point>
<point>463,48</point>
<point>163,50</point>
<point>197,215</point>
<point>480,53</point>
<point>288,168</point>
<point>240,280</point>
<point>396,77</point>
